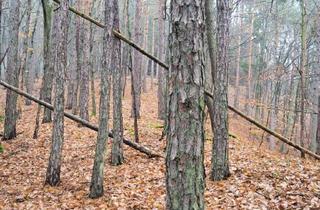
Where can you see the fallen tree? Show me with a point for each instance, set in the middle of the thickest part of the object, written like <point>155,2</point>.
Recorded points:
<point>140,49</point>
<point>85,123</point>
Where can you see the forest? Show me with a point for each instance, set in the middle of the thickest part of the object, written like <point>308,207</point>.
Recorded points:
<point>160,104</point>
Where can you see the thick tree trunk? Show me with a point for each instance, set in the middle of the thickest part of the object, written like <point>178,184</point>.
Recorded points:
<point>184,162</point>
<point>117,151</point>
<point>47,57</point>
<point>220,150</point>
<point>96,186</point>
<point>54,166</point>
<point>12,72</point>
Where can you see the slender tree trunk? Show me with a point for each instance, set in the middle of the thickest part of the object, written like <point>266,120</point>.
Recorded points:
<point>75,98</point>
<point>303,70</point>
<point>47,57</point>
<point>54,166</point>
<point>96,186</point>
<point>220,150</point>
<point>12,72</point>
<point>137,62</point>
<point>250,57</point>
<point>117,144</point>
<point>28,82</point>
<point>185,144</point>
<point>318,129</point>
<point>84,71</point>
<point>91,66</point>
<point>161,77</point>
<point>237,85</point>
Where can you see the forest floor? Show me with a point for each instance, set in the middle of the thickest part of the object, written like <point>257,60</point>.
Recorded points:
<point>260,178</point>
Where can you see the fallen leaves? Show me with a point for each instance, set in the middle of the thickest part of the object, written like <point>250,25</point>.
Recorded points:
<point>260,179</point>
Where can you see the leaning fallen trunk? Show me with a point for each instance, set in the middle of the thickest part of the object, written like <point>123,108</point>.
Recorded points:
<point>85,123</point>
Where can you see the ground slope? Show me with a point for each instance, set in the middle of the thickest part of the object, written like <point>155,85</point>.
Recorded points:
<point>260,179</point>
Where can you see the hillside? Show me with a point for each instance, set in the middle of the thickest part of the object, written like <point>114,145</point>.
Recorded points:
<point>260,179</point>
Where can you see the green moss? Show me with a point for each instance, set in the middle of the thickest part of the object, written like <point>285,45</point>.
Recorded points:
<point>1,118</point>
<point>1,149</point>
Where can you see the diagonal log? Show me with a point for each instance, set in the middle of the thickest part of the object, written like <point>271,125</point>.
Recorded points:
<point>85,123</point>
<point>158,61</point>
<point>273,133</point>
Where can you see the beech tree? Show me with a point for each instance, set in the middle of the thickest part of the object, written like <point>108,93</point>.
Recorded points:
<point>184,155</point>
<point>54,166</point>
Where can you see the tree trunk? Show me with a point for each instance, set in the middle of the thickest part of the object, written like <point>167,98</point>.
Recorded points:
<point>303,70</point>
<point>28,82</point>
<point>54,166</point>
<point>237,85</point>
<point>12,72</point>
<point>84,70</point>
<point>185,144</point>
<point>250,57</point>
<point>137,62</point>
<point>48,69</point>
<point>96,186</point>
<point>117,144</point>
<point>220,150</point>
<point>318,129</point>
<point>75,98</point>
<point>161,75</point>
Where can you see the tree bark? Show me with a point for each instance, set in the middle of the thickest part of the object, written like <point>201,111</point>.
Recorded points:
<point>303,71</point>
<point>117,144</point>
<point>249,78</point>
<point>220,150</point>
<point>48,69</point>
<point>137,62</point>
<point>54,166</point>
<point>318,129</point>
<point>161,75</point>
<point>185,144</point>
<point>12,72</point>
<point>96,186</point>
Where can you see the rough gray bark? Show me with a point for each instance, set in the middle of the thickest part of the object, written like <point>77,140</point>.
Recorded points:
<point>96,186</point>
<point>28,82</point>
<point>137,62</point>
<point>161,75</point>
<point>24,57</point>
<point>91,69</point>
<point>237,87</point>
<point>303,67</point>
<point>220,156</point>
<point>12,72</point>
<point>117,144</point>
<point>54,166</point>
<point>48,69</point>
<point>184,161</point>
<point>75,101</point>
<point>84,72</point>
